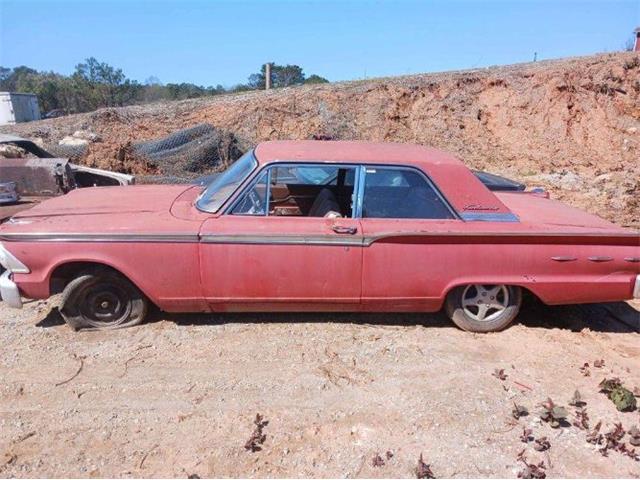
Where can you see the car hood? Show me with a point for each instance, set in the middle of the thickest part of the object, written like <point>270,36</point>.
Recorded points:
<point>107,212</point>
<point>107,201</point>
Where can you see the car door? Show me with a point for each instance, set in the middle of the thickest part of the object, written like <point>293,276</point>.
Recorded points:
<point>267,252</point>
<point>402,268</point>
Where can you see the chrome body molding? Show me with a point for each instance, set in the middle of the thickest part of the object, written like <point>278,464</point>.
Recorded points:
<point>329,240</point>
<point>296,239</point>
<point>99,237</point>
<point>632,259</point>
<point>9,291</point>
<point>561,258</point>
<point>489,217</point>
<point>599,259</point>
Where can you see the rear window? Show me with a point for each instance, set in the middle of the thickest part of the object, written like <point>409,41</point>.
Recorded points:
<point>401,193</point>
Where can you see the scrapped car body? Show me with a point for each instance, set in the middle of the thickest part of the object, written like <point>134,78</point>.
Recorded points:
<point>316,226</point>
<point>45,175</point>
<point>8,193</point>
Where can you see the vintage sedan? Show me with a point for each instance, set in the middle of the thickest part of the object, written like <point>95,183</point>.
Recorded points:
<point>316,226</point>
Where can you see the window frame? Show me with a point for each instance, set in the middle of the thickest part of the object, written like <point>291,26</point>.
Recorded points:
<point>358,188</point>
<point>425,177</point>
<point>268,168</point>
<point>222,208</point>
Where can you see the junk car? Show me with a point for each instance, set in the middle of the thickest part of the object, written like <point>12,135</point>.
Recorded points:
<point>316,226</point>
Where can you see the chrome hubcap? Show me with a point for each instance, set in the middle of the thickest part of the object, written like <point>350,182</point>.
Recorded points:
<point>485,302</point>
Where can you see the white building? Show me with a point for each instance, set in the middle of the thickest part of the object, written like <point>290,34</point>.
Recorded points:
<point>18,107</point>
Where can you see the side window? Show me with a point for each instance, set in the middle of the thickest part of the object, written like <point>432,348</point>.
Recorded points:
<point>303,190</point>
<point>254,201</point>
<point>400,193</point>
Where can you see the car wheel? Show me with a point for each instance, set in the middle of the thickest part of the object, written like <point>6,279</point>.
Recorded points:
<point>483,308</point>
<point>102,299</point>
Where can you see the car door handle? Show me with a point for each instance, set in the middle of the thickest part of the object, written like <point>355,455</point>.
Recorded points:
<point>344,230</point>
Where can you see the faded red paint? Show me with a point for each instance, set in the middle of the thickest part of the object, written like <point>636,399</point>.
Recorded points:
<point>410,266</point>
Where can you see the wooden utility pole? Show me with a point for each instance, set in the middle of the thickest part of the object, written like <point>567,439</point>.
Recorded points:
<point>267,76</point>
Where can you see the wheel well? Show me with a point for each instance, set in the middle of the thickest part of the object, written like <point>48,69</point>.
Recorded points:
<point>66,272</point>
<point>526,291</point>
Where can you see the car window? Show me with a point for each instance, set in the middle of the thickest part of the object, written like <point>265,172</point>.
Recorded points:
<point>253,201</point>
<point>401,193</point>
<point>300,191</point>
<point>296,175</point>
<point>223,186</point>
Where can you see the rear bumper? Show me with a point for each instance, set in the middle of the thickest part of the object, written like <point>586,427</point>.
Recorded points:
<point>9,291</point>
<point>636,288</point>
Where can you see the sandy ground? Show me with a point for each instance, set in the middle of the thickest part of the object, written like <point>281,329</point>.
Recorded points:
<point>178,396</point>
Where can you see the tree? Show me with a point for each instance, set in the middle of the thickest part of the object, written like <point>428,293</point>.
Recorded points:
<point>96,84</point>
<point>281,76</point>
<point>312,79</point>
<point>102,85</point>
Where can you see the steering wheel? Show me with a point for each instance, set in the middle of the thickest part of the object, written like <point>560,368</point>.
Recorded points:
<point>251,204</point>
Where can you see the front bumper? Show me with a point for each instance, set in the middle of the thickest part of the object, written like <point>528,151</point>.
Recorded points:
<point>9,291</point>
<point>636,288</point>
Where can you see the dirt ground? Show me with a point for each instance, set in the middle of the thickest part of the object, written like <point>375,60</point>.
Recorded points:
<point>178,396</point>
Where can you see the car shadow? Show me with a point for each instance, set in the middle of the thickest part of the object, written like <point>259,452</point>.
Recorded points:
<point>389,319</point>
<point>615,317</point>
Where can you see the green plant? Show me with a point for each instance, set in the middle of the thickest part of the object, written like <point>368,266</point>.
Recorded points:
<point>622,398</point>
<point>553,414</point>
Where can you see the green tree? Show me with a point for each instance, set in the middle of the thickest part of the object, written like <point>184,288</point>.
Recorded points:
<point>281,76</point>
<point>313,79</point>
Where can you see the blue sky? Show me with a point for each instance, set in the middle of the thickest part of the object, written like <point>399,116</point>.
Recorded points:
<point>211,42</point>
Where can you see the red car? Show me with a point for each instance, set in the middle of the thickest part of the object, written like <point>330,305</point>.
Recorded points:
<point>316,226</point>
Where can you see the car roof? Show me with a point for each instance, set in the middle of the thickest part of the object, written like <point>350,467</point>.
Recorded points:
<point>460,186</point>
<point>351,152</point>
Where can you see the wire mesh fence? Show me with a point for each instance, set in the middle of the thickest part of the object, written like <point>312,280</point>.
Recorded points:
<point>191,151</point>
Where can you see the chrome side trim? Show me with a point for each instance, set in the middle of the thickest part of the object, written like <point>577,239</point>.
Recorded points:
<point>489,217</point>
<point>9,291</point>
<point>599,259</point>
<point>632,259</point>
<point>563,259</point>
<point>104,238</point>
<point>329,240</point>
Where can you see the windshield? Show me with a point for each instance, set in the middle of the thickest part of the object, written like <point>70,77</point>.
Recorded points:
<point>222,187</point>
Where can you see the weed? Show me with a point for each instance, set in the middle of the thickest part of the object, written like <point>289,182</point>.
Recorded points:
<point>499,374</point>
<point>584,369</point>
<point>541,444</point>
<point>423,470</point>
<point>519,411</point>
<point>582,419</point>
<point>576,400</point>
<point>554,415</point>
<point>257,438</point>
<point>531,470</point>
<point>622,398</point>
<point>526,436</point>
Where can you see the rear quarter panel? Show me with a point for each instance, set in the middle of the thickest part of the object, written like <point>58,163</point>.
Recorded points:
<point>421,268</point>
